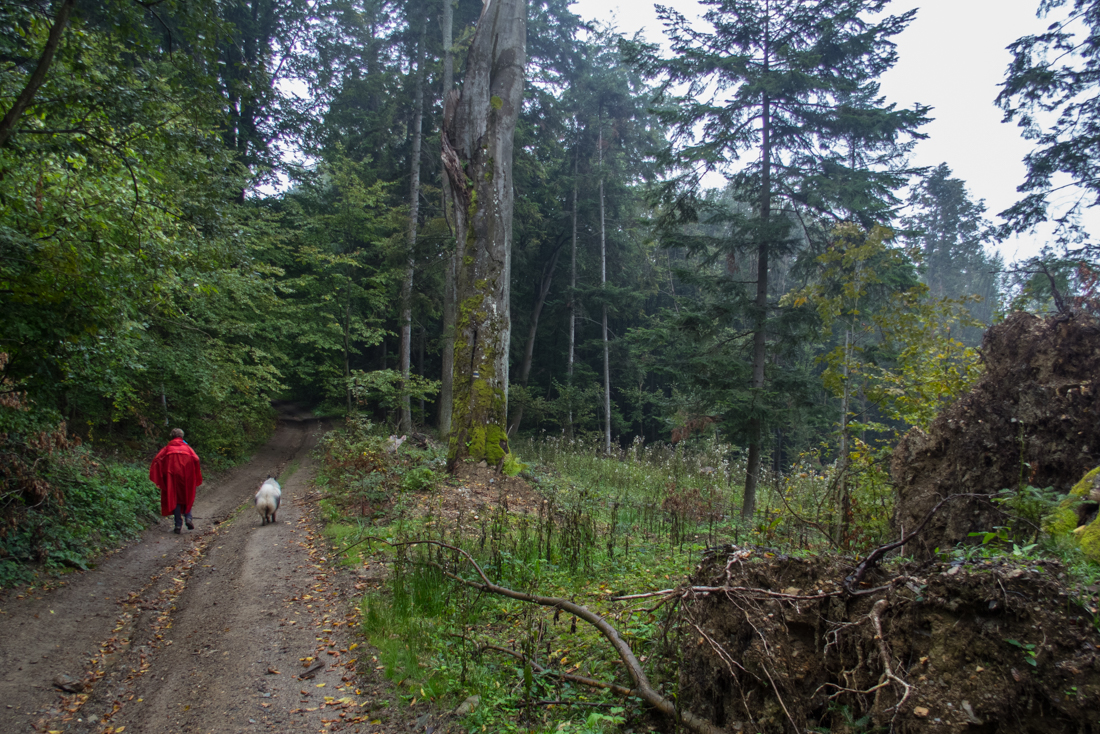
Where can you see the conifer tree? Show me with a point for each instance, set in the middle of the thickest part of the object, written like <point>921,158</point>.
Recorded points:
<point>1058,72</point>
<point>767,99</point>
<point>951,231</point>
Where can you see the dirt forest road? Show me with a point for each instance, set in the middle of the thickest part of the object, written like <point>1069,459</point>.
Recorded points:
<point>208,631</point>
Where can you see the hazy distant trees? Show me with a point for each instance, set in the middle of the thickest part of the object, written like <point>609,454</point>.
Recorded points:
<point>951,232</point>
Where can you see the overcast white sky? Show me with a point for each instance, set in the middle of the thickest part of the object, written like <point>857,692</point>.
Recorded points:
<point>951,57</point>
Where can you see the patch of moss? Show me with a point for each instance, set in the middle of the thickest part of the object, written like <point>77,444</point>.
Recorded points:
<point>1083,487</point>
<point>1089,538</point>
<point>1063,520</point>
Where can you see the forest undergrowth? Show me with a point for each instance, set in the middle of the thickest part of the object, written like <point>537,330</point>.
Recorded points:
<point>576,525</point>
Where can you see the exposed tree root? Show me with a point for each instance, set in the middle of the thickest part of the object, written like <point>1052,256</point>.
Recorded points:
<point>884,651</point>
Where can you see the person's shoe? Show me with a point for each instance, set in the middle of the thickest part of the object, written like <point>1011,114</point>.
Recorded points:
<point>190,525</point>
<point>176,530</point>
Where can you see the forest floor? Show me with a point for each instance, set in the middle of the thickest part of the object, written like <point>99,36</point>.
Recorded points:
<point>231,627</point>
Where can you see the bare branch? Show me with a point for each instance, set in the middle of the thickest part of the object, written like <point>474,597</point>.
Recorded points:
<point>590,682</point>
<point>875,556</point>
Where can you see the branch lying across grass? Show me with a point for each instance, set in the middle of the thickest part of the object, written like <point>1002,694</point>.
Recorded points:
<point>642,687</point>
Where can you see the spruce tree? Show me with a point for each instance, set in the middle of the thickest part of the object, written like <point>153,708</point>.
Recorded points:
<point>765,95</point>
<point>951,232</point>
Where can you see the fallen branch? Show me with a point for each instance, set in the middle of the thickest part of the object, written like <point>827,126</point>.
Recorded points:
<point>587,704</point>
<point>642,687</point>
<point>662,592</point>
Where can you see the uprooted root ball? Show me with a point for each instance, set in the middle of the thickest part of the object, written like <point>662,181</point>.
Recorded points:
<point>1030,419</point>
<point>986,647</point>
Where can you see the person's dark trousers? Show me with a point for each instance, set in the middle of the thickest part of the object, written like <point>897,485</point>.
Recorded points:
<point>180,516</point>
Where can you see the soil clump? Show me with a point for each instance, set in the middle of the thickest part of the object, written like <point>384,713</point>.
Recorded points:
<point>772,643</point>
<point>1031,419</point>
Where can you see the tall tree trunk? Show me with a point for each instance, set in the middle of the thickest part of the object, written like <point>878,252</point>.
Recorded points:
<point>603,287</point>
<point>529,350</point>
<point>414,217</point>
<point>842,459</point>
<point>572,294</point>
<point>479,126</point>
<point>420,366</point>
<point>760,316</point>
<point>450,276</point>
<point>347,348</point>
<point>38,76</point>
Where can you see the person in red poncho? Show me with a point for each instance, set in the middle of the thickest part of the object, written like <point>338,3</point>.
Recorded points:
<point>177,472</point>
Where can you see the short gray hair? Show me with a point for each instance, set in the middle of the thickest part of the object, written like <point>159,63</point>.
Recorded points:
<point>176,433</point>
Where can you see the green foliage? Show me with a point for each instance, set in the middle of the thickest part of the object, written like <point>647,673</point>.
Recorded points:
<point>386,388</point>
<point>129,296</point>
<point>901,352</point>
<point>364,477</point>
<point>949,231</point>
<point>1028,649</point>
<point>92,506</point>
<point>512,465</point>
<point>419,479</point>
<point>1048,92</point>
<point>601,526</point>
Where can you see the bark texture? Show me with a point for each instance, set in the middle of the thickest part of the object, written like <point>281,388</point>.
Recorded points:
<point>479,125</point>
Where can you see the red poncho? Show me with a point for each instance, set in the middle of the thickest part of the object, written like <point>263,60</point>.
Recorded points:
<point>177,472</point>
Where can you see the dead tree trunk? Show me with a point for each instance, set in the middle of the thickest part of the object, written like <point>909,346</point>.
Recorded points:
<point>478,129</point>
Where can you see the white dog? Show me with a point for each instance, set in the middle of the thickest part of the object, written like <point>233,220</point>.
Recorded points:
<point>267,500</point>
